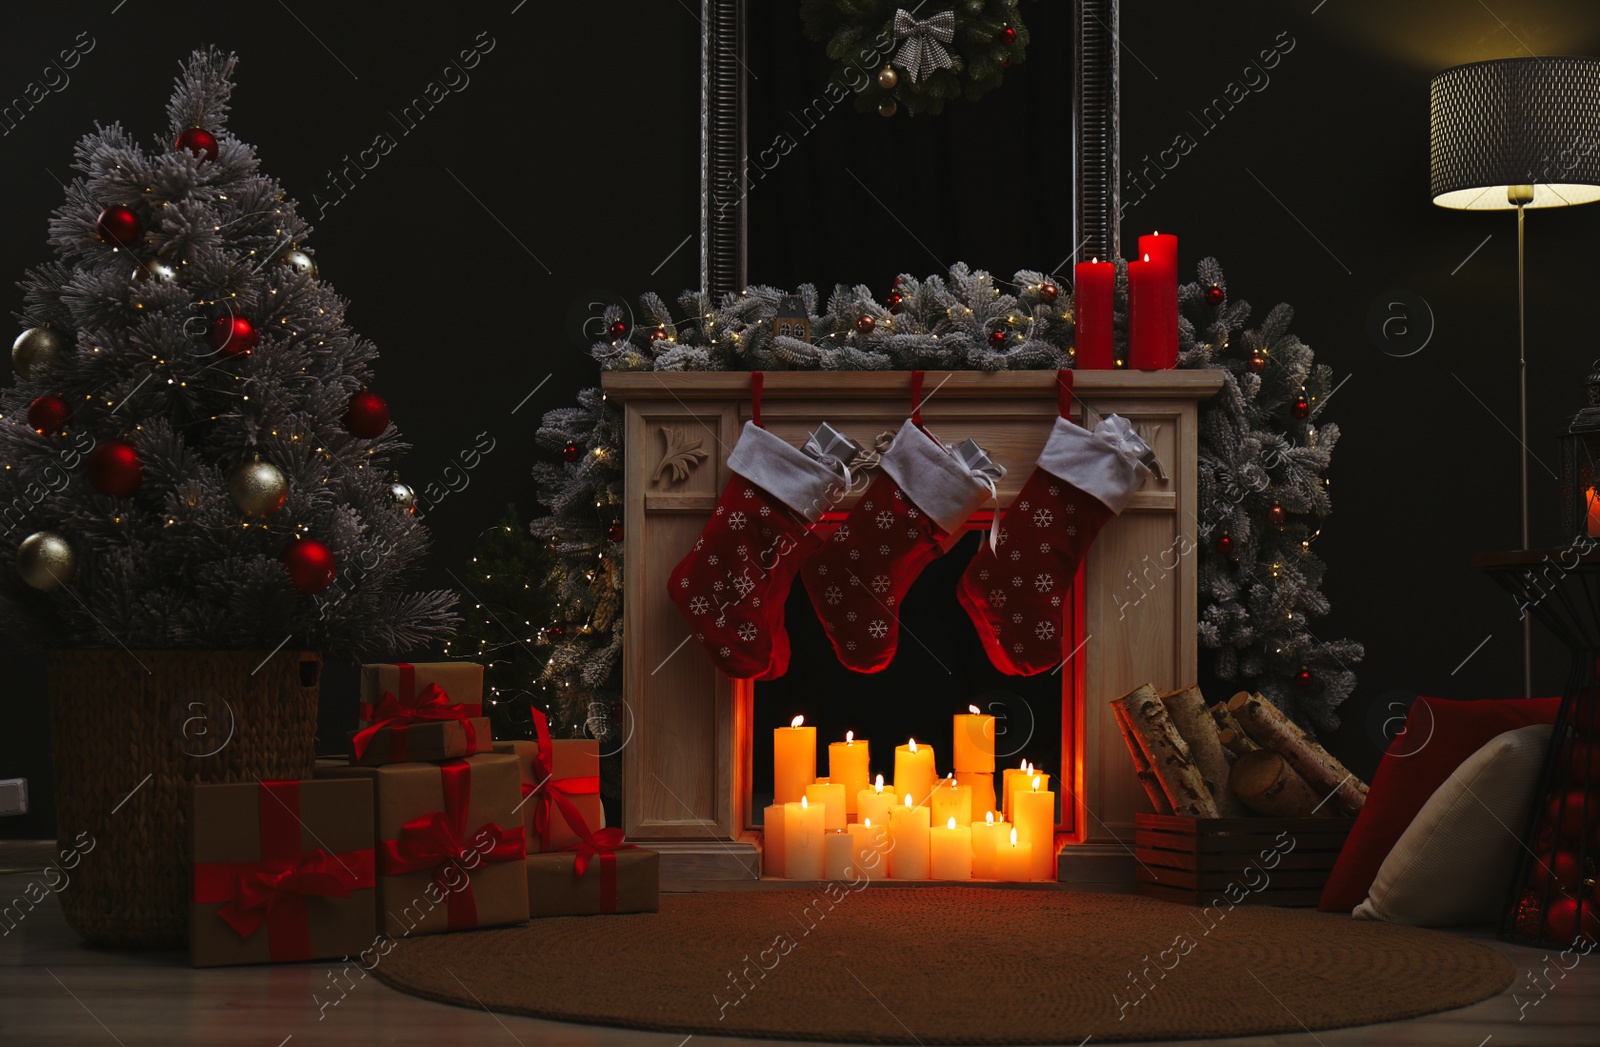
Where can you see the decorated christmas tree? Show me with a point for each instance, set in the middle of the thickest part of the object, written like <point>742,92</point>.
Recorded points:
<point>193,457</point>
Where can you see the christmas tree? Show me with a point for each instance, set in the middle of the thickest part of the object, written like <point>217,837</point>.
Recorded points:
<point>193,458</point>
<point>1263,454</point>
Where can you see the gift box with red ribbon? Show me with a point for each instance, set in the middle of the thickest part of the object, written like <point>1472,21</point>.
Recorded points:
<point>450,843</point>
<point>282,872</point>
<point>423,711</point>
<point>560,787</point>
<point>600,874</point>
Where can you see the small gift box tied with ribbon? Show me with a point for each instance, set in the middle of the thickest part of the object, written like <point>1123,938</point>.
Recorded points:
<point>560,798</point>
<point>449,847</point>
<point>427,711</point>
<point>282,872</point>
<point>602,875</point>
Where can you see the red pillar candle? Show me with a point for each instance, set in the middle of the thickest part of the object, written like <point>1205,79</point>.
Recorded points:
<point>1147,317</point>
<point>1161,250</point>
<point>1093,310</point>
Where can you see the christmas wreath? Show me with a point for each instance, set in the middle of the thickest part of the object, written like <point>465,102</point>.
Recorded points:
<point>929,56</point>
<point>1264,450</point>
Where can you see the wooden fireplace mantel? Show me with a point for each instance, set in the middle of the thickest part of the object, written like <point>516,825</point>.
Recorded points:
<point>686,764</point>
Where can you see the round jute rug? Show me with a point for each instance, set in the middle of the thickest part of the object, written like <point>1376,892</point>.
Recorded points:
<point>945,965</point>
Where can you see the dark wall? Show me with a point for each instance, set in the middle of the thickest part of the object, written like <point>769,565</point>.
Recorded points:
<point>574,157</point>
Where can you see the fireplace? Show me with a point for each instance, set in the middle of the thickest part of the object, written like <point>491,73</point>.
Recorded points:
<point>687,764</point>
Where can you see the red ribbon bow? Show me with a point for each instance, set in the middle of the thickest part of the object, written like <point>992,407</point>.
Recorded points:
<point>435,841</point>
<point>273,891</point>
<point>549,790</point>
<point>397,712</point>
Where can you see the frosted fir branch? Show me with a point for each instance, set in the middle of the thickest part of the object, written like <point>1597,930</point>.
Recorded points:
<point>201,91</point>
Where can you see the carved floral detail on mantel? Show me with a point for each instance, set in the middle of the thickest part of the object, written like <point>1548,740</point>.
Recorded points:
<point>682,455</point>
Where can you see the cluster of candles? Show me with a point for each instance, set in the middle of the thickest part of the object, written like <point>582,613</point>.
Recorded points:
<point>1152,308</point>
<point>922,827</point>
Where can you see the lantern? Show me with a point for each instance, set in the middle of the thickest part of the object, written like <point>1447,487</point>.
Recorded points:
<point>1580,451</point>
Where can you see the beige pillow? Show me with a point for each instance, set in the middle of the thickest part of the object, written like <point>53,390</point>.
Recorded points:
<point>1451,866</point>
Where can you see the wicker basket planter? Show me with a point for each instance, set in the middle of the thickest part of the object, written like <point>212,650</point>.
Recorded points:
<point>132,731</point>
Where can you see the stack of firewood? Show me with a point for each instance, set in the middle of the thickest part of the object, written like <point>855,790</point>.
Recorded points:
<point>1231,759</point>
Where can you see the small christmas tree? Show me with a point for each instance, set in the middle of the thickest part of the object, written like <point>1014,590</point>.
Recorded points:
<point>192,455</point>
<point>1263,495</point>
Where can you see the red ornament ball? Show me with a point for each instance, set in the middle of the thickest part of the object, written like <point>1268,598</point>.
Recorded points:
<point>197,140</point>
<point>1258,362</point>
<point>619,329</point>
<point>310,565</point>
<point>1562,866</point>
<point>554,632</point>
<point>1008,36</point>
<point>658,334</point>
<point>1225,544</point>
<point>367,415</point>
<point>1214,295</point>
<point>865,323</point>
<point>997,339</point>
<point>1563,921</point>
<point>1276,514</point>
<point>1303,678</point>
<point>1584,762</point>
<point>614,533</point>
<point>49,413</point>
<point>234,335</point>
<point>114,468</point>
<point>1048,292</point>
<point>571,452</point>
<point>1302,406</point>
<point>1569,814</point>
<point>119,225</point>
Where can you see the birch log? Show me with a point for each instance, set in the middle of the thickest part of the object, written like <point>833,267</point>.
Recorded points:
<point>1264,782</point>
<point>1141,762</point>
<point>1170,761</point>
<point>1311,761</point>
<point>1232,734</point>
<point>1187,708</point>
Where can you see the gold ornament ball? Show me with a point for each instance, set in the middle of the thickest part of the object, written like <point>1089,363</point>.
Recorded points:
<point>45,560</point>
<point>299,261</point>
<point>154,271</point>
<point>258,489</point>
<point>35,346</point>
<point>403,497</point>
<point>887,78</point>
<point>888,108</point>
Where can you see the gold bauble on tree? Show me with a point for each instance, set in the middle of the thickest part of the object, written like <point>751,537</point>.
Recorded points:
<point>888,108</point>
<point>35,346</point>
<point>887,78</point>
<point>258,489</point>
<point>155,271</point>
<point>299,261</point>
<point>45,560</point>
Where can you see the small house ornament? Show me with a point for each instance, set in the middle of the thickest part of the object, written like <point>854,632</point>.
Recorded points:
<point>792,318</point>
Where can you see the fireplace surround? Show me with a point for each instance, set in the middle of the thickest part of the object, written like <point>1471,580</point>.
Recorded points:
<point>686,761</point>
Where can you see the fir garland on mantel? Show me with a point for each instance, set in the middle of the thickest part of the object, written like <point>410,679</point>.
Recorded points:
<point>1263,453</point>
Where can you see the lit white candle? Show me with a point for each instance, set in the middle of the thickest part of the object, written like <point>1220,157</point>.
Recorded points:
<point>908,836</point>
<point>847,765</point>
<point>870,844</point>
<point>1034,815</point>
<point>951,800</point>
<point>1014,860</point>
<point>794,760</point>
<point>874,803</point>
<point>987,837</point>
<point>803,855</point>
<point>950,851</point>
<point>974,741</point>
<point>913,771</point>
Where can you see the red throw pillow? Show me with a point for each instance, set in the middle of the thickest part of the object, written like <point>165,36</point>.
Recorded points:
<point>1439,735</point>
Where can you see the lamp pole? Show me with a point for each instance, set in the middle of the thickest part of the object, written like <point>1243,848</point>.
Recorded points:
<point>1520,196</point>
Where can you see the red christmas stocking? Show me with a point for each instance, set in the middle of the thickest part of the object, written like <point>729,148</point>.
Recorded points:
<point>856,582</point>
<point>732,586</point>
<point>1016,591</point>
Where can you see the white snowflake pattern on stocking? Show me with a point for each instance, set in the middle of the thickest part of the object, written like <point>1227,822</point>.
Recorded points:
<point>737,520</point>
<point>878,629</point>
<point>1044,583</point>
<point>834,594</point>
<point>880,583</point>
<point>1043,518</point>
<point>748,631</point>
<point>885,520</point>
<point>699,605</point>
<point>1044,630</point>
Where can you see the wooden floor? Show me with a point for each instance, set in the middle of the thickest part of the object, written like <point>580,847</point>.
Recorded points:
<point>54,991</point>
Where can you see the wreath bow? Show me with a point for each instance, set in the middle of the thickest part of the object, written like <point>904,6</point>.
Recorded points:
<point>922,47</point>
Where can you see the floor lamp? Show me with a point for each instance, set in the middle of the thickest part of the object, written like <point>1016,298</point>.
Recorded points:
<point>1514,134</point>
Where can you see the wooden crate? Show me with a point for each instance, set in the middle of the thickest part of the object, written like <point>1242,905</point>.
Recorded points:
<point>1236,861</point>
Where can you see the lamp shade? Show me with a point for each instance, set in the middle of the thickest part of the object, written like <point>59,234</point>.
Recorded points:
<point>1516,122</point>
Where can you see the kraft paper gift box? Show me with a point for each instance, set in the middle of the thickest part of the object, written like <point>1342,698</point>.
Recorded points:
<point>627,880</point>
<point>282,872</point>
<point>423,711</point>
<point>573,772</point>
<point>449,852</point>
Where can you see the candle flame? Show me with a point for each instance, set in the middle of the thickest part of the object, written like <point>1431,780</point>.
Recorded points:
<point>1013,837</point>
<point>866,823</point>
<point>1028,767</point>
<point>1024,763</point>
<point>913,745</point>
<point>908,800</point>
<point>1095,259</point>
<point>849,737</point>
<point>952,823</point>
<point>973,709</point>
<point>1035,783</point>
<point>989,816</point>
<point>1147,258</point>
<point>878,785</point>
<point>797,721</point>
<point>804,802</point>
